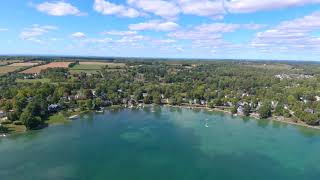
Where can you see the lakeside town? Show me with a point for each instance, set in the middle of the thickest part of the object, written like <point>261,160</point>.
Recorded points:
<point>38,91</point>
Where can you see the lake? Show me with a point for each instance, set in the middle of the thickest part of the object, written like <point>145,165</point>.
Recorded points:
<point>163,143</point>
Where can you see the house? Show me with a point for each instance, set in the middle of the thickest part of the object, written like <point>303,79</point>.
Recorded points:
<point>229,104</point>
<point>53,107</point>
<point>132,102</point>
<point>274,104</point>
<point>195,101</point>
<point>203,102</point>
<point>2,114</point>
<point>125,101</point>
<point>94,93</point>
<point>80,96</point>
<point>144,94</point>
<point>309,110</point>
<point>71,97</point>
<point>240,110</point>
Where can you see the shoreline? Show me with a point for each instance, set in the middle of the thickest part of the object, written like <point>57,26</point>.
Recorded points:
<point>280,119</point>
<point>254,116</point>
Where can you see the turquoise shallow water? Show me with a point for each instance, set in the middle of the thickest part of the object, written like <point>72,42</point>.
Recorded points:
<point>165,144</point>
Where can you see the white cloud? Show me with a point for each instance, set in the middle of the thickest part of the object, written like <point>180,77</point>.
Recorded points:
<point>78,35</point>
<point>291,34</point>
<point>203,7</point>
<point>108,8</point>
<point>3,29</point>
<point>35,32</point>
<point>155,25</point>
<point>97,40</point>
<point>120,33</point>
<point>58,8</point>
<point>246,6</point>
<point>165,9</point>
<point>131,39</point>
<point>211,32</point>
<point>171,9</point>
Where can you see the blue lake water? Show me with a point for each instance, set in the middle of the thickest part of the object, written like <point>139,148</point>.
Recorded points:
<point>164,144</point>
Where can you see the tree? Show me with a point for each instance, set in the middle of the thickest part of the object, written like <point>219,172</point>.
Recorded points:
<point>156,98</point>
<point>234,110</point>
<point>265,111</point>
<point>98,103</point>
<point>147,99</point>
<point>89,104</point>
<point>246,110</point>
<point>3,129</point>
<point>279,110</point>
<point>88,94</point>
<point>311,119</point>
<point>12,116</point>
<point>30,121</point>
<point>215,102</point>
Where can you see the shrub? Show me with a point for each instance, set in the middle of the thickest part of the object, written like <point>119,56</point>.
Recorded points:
<point>17,123</point>
<point>3,129</point>
<point>265,111</point>
<point>6,122</point>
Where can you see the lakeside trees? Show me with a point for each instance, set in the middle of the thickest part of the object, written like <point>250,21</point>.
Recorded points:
<point>290,91</point>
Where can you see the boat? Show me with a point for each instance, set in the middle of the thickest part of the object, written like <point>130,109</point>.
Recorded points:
<point>99,111</point>
<point>74,117</point>
<point>206,125</point>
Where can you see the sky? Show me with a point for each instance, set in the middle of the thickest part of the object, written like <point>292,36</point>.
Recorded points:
<point>210,29</point>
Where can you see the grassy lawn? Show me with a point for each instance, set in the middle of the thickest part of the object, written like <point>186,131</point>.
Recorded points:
<point>86,68</point>
<point>94,67</point>
<point>15,128</point>
<point>88,71</point>
<point>57,119</point>
<point>44,80</point>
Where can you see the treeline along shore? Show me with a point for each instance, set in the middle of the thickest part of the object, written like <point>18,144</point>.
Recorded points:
<point>37,91</point>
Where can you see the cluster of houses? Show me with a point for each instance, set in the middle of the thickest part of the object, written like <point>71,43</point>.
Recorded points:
<point>293,76</point>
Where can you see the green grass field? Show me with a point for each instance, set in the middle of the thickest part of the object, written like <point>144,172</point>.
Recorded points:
<point>57,119</point>
<point>94,67</point>
<point>86,68</point>
<point>44,80</point>
<point>15,128</point>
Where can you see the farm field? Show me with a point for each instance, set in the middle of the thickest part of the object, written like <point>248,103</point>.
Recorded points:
<point>110,65</point>
<point>5,62</point>
<point>23,64</point>
<point>93,67</point>
<point>38,69</point>
<point>8,69</point>
<point>15,66</point>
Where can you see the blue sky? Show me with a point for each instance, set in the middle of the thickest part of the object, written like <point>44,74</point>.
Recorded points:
<point>227,29</point>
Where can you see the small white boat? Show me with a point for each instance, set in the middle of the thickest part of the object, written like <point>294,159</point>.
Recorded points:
<point>74,117</point>
<point>3,135</point>
<point>99,111</point>
<point>206,125</point>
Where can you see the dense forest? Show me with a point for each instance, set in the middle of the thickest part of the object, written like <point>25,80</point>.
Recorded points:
<point>265,89</point>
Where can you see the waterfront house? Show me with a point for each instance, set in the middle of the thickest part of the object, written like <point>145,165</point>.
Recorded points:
<point>2,114</point>
<point>53,107</point>
<point>240,110</point>
<point>309,110</point>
